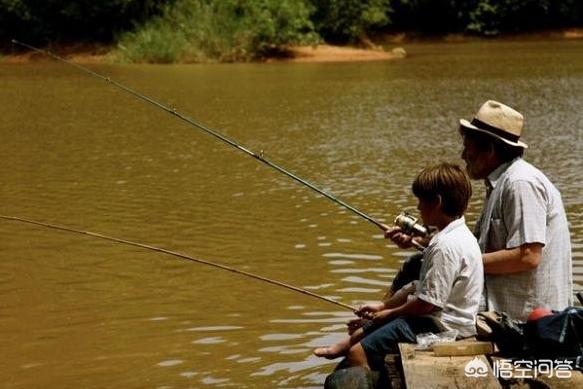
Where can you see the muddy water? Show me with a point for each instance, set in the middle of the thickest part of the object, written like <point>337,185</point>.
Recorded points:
<point>79,312</point>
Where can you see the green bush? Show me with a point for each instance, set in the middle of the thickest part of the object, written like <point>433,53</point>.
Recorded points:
<point>491,17</point>
<point>226,30</point>
<point>342,21</point>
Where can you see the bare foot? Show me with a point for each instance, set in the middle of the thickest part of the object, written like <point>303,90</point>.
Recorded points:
<point>331,352</point>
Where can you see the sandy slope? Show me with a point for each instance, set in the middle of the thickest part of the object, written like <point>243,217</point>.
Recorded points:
<point>327,53</point>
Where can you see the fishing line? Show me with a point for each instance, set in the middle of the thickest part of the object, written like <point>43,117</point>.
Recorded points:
<point>208,130</point>
<point>221,137</point>
<point>179,255</point>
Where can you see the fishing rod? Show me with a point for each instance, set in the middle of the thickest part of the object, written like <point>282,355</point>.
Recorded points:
<point>179,255</point>
<point>208,130</point>
<point>221,137</point>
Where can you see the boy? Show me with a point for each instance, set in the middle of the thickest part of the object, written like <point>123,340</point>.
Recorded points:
<point>447,294</point>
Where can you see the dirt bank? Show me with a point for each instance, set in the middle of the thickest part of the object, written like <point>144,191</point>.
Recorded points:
<point>328,53</point>
<point>414,37</point>
<point>80,53</point>
<point>83,53</point>
<point>320,53</point>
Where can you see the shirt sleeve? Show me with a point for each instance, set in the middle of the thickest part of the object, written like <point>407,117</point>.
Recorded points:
<point>525,214</point>
<point>436,286</point>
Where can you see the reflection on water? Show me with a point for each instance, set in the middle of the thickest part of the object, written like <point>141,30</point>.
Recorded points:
<point>77,312</point>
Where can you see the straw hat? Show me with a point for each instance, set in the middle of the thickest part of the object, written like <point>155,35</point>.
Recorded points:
<point>499,121</point>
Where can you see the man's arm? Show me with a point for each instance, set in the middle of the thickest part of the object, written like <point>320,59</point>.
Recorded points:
<point>524,213</point>
<point>519,259</point>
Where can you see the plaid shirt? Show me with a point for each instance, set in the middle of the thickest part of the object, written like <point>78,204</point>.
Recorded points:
<point>525,207</point>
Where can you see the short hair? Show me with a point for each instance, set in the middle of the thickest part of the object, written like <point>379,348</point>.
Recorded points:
<point>503,150</point>
<point>447,180</point>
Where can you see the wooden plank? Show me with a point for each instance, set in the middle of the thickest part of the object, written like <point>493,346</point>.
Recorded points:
<point>576,381</point>
<point>394,371</point>
<point>462,348</point>
<point>423,370</point>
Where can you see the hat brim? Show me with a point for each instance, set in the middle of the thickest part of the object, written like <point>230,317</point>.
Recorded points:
<point>469,126</point>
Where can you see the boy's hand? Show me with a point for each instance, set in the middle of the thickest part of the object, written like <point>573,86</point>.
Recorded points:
<point>382,317</point>
<point>401,239</point>
<point>366,311</point>
<point>355,324</point>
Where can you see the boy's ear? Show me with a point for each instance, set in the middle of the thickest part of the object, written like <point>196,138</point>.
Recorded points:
<point>439,201</point>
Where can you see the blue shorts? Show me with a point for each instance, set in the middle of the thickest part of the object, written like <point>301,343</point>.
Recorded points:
<point>379,341</point>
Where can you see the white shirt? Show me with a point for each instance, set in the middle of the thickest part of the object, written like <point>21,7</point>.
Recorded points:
<point>452,277</point>
<point>525,207</point>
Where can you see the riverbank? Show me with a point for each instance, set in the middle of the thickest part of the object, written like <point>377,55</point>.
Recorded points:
<point>410,37</point>
<point>95,53</point>
<point>318,53</point>
<point>329,53</point>
<point>79,53</point>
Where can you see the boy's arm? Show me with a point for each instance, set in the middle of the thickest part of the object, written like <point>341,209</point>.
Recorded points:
<point>413,307</point>
<point>396,300</point>
<point>400,297</point>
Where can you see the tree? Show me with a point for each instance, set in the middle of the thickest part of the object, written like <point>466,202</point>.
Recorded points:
<point>46,21</point>
<point>342,21</point>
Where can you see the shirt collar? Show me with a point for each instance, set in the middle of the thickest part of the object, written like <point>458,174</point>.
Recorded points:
<point>450,227</point>
<point>495,175</point>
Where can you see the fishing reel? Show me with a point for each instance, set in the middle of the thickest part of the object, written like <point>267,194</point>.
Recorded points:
<point>411,225</point>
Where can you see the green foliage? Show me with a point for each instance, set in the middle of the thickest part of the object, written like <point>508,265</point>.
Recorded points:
<point>344,21</point>
<point>485,17</point>
<point>226,30</point>
<point>241,30</point>
<point>71,21</point>
<point>482,19</point>
<point>490,17</point>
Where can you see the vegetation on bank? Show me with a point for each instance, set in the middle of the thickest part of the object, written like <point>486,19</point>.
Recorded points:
<point>225,30</point>
<point>242,30</point>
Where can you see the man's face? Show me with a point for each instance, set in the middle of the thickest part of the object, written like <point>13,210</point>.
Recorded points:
<point>476,159</point>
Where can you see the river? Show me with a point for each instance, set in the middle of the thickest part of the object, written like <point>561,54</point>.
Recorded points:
<point>78,312</point>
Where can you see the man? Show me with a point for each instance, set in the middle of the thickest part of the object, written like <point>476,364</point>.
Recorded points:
<point>523,231</point>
